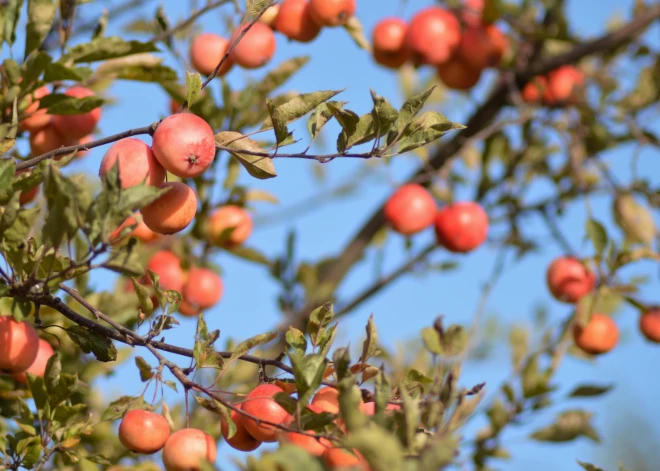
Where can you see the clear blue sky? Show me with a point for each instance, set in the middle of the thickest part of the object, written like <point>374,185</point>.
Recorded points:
<point>249,304</point>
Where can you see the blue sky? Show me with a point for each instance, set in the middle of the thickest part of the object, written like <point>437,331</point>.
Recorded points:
<point>249,303</point>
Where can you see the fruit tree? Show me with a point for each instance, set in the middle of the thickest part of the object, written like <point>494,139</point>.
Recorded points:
<point>203,203</point>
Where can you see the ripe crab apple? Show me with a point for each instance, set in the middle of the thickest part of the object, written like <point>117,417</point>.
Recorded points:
<point>471,12</point>
<point>256,48</point>
<point>269,17</point>
<point>229,226</point>
<point>389,42</point>
<point>38,366</point>
<point>19,345</point>
<point>47,139</point>
<point>295,22</point>
<point>458,74</point>
<point>38,118</point>
<point>535,90</point>
<point>562,83</point>
<point>187,449</point>
<point>140,231</point>
<point>143,432</point>
<point>410,209</point>
<point>259,403</point>
<point>206,52</point>
<point>433,36</point>
<point>137,163</point>
<point>203,288</point>
<point>173,211</point>
<point>312,445</point>
<point>77,125</point>
<point>568,280</point>
<point>184,144</point>
<point>341,458</point>
<point>332,12</point>
<point>327,399</point>
<point>482,46</point>
<point>599,336</point>
<point>461,227</point>
<point>649,325</point>
<point>241,440</point>
<point>168,267</point>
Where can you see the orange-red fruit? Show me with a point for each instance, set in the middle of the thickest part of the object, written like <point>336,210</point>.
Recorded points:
<point>312,445</point>
<point>461,227</point>
<point>38,366</point>
<point>568,280</point>
<point>327,399</point>
<point>433,36</point>
<point>47,139</point>
<point>206,52</point>
<point>340,458</point>
<point>562,83</point>
<point>143,432</point>
<point>259,403</point>
<point>186,450</point>
<point>458,74</point>
<point>173,211</point>
<point>535,90</point>
<point>189,310</point>
<point>599,336</point>
<point>38,118</point>
<point>472,11</point>
<point>389,42</point>
<point>140,231</point>
<point>270,16</point>
<point>241,440</point>
<point>331,12</point>
<point>84,140</point>
<point>19,345</point>
<point>256,48</point>
<point>294,21</point>
<point>203,288</point>
<point>229,226</point>
<point>649,324</point>
<point>184,144</point>
<point>482,46</point>
<point>410,209</point>
<point>370,407</point>
<point>78,125</point>
<point>168,267</point>
<point>136,161</point>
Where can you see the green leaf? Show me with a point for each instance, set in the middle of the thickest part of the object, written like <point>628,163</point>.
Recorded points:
<point>53,372</point>
<point>66,386</point>
<point>355,30</point>
<point>117,408</point>
<point>407,113</point>
<point>589,467</point>
<point>193,87</point>
<point>381,449</point>
<point>320,117</point>
<point>350,398</point>
<point>568,426</point>
<point>253,342</point>
<point>591,390</point>
<point>61,104</point>
<point>91,342</point>
<point>308,372</point>
<point>383,113</point>
<point>281,131</point>
<point>9,14</point>
<point>41,14</point>
<point>146,372</point>
<point>597,234</point>
<point>143,67</point>
<point>248,253</point>
<point>105,48</point>
<point>341,362</point>
<point>259,166</point>
<point>454,340</point>
<point>296,340</point>
<point>319,319</point>
<point>439,452</point>
<point>299,106</point>
<point>431,340</point>
<point>349,121</point>
<point>425,129</point>
<point>63,207</point>
<point>143,295</point>
<point>371,342</point>
<point>38,390</point>
<point>55,72</point>
<point>7,172</point>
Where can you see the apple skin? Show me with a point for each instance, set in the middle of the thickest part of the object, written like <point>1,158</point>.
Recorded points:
<point>259,403</point>
<point>458,74</point>
<point>203,288</point>
<point>461,227</point>
<point>173,211</point>
<point>433,36</point>
<point>599,336</point>
<point>186,449</point>
<point>143,432</point>
<point>242,440</point>
<point>410,209</point>
<point>256,48</point>
<point>19,345</point>
<point>38,366</point>
<point>228,217</point>
<point>206,52</point>
<point>649,325</point>
<point>295,22</point>
<point>568,280</point>
<point>39,118</point>
<point>168,267</point>
<point>77,126</point>
<point>332,13</point>
<point>389,42</point>
<point>136,161</point>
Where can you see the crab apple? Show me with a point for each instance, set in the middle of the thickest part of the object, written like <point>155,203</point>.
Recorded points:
<point>168,267</point>
<point>461,227</point>
<point>184,144</point>
<point>38,366</point>
<point>256,48</point>
<point>433,36</point>
<point>19,345</point>
<point>140,231</point>
<point>599,336</point>
<point>241,440</point>
<point>471,12</point>
<point>269,17</point>
<point>327,399</point>
<point>47,139</point>
<point>187,449</point>
<point>188,309</point>
<point>230,226</point>
<point>84,140</point>
<point>143,432</point>
<point>173,211</point>
<point>458,74</point>
<point>340,458</point>
<point>260,404</point>
<point>569,280</point>
<point>649,325</point>
<point>38,118</point>
<point>295,22</point>
<point>535,90</point>
<point>332,12</point>
<point>389,42</point>
<point>206,52</point>
<point>410,209</point>
<point>370,408</point>
<point>482,46</point>
<point>562,83</point>
<point>312,445</point>
<point>136,161</point>
<point>27,197</point>
<point>77,125</point>
<point>203,288</point>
